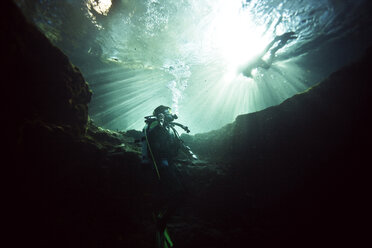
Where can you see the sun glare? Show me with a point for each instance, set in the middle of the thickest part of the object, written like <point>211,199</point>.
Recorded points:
<point>235,35</point>
<point>205,55</point>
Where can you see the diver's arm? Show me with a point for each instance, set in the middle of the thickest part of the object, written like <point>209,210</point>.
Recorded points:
<point>283,39</point>
<point>246,70</point>
<point>186,149</point>
<point>190,154</point>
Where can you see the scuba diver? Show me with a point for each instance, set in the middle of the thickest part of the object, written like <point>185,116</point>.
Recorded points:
<point>279,42</point>
<point>160,147</point>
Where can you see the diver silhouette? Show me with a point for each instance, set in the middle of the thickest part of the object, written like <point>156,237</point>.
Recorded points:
<point>277,43</point>
<point>160,147</point>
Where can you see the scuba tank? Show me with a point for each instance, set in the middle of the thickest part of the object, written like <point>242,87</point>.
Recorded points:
<point>146,157</point>
<point>146,152</point>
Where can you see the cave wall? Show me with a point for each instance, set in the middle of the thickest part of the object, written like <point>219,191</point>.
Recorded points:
<point>302,164</point>
<point>41,83</point>
<point>68,182</point>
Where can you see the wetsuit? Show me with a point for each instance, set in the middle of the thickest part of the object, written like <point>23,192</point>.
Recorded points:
<point>165,145</point>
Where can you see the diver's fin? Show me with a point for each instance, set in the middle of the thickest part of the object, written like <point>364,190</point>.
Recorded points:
<point>160,241</point>
<point>167,238</point>
<point>163,240</point>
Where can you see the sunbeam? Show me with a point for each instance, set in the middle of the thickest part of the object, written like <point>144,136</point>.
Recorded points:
<point>210,60</point>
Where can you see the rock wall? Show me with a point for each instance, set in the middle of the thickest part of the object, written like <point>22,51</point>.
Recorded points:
<point>70,183</point>
<point>302,164</point>
<point>41,84</point>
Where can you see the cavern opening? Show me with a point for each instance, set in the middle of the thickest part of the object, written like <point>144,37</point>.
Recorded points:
<point>209,60</point>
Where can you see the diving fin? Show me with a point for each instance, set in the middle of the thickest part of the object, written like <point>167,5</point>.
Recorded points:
<point>167,238</point>
<point>163,239</point>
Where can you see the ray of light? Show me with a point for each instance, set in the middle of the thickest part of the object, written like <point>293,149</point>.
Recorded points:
<point>189,56</point>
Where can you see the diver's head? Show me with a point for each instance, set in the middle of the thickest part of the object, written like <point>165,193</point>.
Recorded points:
<point>164,113</point>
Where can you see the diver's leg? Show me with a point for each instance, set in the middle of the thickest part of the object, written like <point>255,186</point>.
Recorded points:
<point>173,193</point>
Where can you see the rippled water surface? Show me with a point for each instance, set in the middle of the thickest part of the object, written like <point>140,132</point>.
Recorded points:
<point>211,60</point>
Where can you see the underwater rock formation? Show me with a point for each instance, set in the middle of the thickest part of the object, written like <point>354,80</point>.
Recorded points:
<point>303,162</point>
<point>291,175</point>
<point>61,165</point>
<point>43,85</point>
